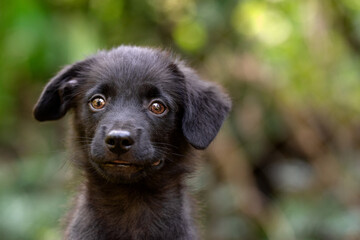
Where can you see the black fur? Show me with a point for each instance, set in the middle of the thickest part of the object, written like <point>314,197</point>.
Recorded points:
<point>147,199</point>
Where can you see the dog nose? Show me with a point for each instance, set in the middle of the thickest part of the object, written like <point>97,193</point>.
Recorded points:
<point>119,141</point>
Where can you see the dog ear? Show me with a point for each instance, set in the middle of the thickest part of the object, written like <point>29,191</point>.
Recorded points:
<point>205,109</point>
<point>56,98</point>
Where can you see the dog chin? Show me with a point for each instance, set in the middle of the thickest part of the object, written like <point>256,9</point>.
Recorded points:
<point>124,172</point>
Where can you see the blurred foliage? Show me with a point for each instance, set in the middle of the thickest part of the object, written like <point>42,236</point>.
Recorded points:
<point>285,165</point>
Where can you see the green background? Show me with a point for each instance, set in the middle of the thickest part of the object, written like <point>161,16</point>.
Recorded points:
<point>284,166</point>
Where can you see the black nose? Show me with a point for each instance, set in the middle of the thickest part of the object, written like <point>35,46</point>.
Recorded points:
<point>119,141</point>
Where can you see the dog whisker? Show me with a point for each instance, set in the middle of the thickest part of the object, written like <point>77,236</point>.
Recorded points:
<point>164,144</point>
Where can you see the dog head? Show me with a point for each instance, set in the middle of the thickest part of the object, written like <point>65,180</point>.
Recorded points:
<point>136,110</point>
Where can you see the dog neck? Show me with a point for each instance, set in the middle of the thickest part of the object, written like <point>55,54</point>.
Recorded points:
<point>144,210</point>
<point>120,196</point>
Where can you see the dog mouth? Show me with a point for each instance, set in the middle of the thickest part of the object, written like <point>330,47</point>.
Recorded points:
<point>126,164</point>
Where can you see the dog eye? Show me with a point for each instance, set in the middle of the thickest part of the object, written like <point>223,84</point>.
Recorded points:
<point>97,103</point>
<point>157,107</point>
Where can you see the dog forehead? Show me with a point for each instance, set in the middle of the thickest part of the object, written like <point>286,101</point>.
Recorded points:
<point>127,68</point>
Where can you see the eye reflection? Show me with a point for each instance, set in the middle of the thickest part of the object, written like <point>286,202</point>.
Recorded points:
<point>157,107</point>
<point>98,103</point>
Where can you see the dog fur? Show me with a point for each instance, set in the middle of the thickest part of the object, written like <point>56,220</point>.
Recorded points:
<point>134,188</point>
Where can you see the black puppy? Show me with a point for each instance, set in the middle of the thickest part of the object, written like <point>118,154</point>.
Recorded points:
<point>137,112</point>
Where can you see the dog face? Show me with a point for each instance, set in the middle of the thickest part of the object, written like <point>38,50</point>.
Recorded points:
<point>136,110</point>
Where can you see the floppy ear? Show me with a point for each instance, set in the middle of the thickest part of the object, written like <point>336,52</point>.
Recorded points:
<point>56,98</point>
<point>205,109</point>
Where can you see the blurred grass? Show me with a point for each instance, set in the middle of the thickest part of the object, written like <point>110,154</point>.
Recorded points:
<point>285,165</point>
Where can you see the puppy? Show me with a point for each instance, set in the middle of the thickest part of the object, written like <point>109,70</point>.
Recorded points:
<point>138,114</point>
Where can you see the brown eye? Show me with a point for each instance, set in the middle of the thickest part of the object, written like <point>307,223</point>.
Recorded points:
<point>97,103</point>
<point>157,107</point>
